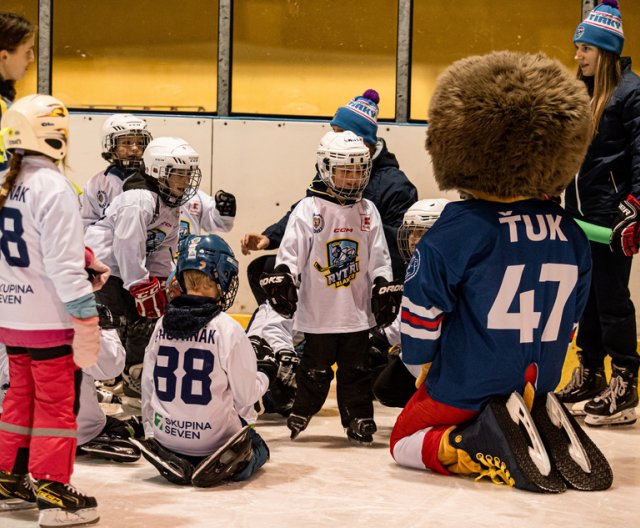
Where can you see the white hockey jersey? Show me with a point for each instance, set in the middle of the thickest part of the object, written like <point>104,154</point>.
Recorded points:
<point>199,215</point>
<point>42,253</point>
<point>335,252</point>
<point>137,237</point>
<point>194,390</point>
<point>99,192</point>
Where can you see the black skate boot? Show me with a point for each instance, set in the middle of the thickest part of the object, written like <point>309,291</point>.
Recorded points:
<point>297,424</point>
<point>131,382</point>
<point>504,443</point>
<point>171,466</point>
<point>16,492</point>
<point>578,460</point>
<point>63,505</point>
<point>231,458</point>
<point>585,384</point>
<point>109,447</point>
<point>360,431</point>
<point>616,405</point>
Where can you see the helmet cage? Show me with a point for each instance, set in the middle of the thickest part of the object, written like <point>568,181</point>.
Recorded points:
<point>418,219</point>
<point>355,168</point>
<point>190,190</point>
<point>212,256</point>
<point>111,141</point>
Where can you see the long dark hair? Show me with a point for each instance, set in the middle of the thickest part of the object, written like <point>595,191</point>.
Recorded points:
<point>14,30</point>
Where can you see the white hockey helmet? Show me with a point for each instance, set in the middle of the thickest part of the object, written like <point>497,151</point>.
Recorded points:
<point>417,220</point>
<point>169,159</point>
<point>346,152</point>
<point>37,123</point>
<point>121,126</point>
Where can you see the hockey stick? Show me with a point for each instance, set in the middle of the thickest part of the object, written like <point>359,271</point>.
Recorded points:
<point>594,232</point>
<point>318,267</point>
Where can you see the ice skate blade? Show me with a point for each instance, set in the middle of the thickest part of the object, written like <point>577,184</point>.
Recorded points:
<point>54,517</point>
<point>626,417</point>
<point>211,470</point>
<point>12,504</point>
<point>578,460</point>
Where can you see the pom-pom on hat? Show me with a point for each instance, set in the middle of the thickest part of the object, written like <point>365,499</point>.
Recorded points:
<point>602,28</point>
<point>360,116</point>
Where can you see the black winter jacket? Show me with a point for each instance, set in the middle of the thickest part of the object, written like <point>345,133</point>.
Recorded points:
<point>611,168</point>
<point>391,192</point>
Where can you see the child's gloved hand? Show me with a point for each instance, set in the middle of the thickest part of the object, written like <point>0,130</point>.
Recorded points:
<point>386,299</point>
<point>97,271</point>
<point>86,341</point>
<point>225,203</point>
<point>150,298</point>
<point>281,290</point>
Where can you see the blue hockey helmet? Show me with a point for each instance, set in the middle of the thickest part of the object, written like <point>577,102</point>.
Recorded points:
<point>212,256</point>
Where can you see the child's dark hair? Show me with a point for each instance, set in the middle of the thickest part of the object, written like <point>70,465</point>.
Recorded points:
<point>14,30</point>
<point>10,178</point>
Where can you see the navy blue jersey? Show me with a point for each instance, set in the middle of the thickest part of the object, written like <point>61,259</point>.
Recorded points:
<point>492,288</point>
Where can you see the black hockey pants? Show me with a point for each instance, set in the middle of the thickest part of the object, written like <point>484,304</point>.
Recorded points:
<point>351,353</point>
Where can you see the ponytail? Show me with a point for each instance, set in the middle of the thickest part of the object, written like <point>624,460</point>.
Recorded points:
<point>10,178</point>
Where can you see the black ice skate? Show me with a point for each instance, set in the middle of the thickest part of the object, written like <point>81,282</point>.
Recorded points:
<point>297,424</point>
<point>616,405</point>
<point>504,442</point>
<point>585,384</point>
<point>231,458</point>
<point>132,386</point>
<point>579,461</point>
<point>109,447</point>
<point>360,431</point>
<point>63,505</point>
<point>16,492</point>
<point>172,467</point>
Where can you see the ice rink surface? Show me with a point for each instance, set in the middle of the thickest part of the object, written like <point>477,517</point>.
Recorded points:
<point>321,480</point>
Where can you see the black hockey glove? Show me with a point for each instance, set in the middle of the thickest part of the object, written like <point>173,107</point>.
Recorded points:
<point>281,291</point>
<point>625,231</point>
<point>386,298</point>
<point>225,203</point>
<point>288,362</point>
<point>265,358</point>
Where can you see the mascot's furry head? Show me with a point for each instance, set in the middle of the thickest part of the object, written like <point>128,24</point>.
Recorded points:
<point>508,124</point>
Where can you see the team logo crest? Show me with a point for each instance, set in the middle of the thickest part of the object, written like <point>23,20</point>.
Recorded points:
<point>101,196</point>
<point>155,237</point>
<point>185,229</point>
<point>318,223</point>
<point>579,32</point>
<point>413,267</point>
<point>343,265</point>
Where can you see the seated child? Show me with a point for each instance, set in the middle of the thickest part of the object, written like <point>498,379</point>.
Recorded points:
<point>200,373</point>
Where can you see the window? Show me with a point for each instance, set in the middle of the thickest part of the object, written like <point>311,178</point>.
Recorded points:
<point>136,55</point>
<point>308,58</point>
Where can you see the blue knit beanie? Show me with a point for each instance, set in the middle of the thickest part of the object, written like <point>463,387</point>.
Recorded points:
<point>602,28</point>
<point>360,116</point>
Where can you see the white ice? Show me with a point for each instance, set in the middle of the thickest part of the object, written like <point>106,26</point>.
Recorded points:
<point>320,480</point>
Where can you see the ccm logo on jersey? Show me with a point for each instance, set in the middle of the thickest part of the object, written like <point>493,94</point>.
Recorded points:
<point>343,230</point>
<point>391,289</point>
<point>271,280</point>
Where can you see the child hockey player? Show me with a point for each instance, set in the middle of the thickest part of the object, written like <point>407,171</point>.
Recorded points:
<point>124,139</point>
<point>396,384</point>
<point>495,310</point>
<point>53,324</point>
<point>200,373</point>
<point>335,243</point>
<point>138,237</point>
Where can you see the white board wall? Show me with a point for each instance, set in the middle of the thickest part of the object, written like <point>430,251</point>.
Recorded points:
<point>267,164</point>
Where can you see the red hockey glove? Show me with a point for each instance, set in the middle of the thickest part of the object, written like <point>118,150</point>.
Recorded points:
<point>225,203</point>
<point>150,298</point>
<point>386,298</point>
<point>625,231</point>
<point>281,291</point>
<point>86,341</point>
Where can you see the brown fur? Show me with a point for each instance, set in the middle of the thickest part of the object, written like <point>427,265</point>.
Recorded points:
<point>508,124</point>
